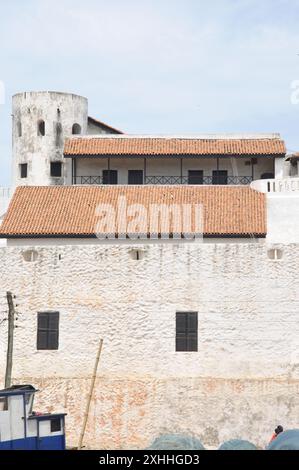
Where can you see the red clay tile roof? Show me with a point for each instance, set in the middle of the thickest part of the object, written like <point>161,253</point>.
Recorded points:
<point>70,210</point>
<point>94,146</point>
<point>102,124</point>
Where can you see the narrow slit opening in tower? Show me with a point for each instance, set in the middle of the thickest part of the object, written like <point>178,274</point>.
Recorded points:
<point>41,128</point>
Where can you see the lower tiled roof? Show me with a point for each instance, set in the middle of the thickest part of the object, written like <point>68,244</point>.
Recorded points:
<point>71,210</point>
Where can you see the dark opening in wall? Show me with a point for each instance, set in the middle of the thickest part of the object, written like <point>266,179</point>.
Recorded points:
<point>76,130</point>
<point>59,141</point>
<point>30,256</point>
<point>19,129</point>
<point>186,331</point>
<point>41,128</point>
<point>275,254</point>
<point>137,255</point>
<point>47,330</point>
<point>267,176</point>
<point>23,170</point>
<point>56,169</point>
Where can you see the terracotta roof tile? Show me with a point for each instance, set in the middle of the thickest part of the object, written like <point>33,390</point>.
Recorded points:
<point>87,146</point>
<point>70,210</point>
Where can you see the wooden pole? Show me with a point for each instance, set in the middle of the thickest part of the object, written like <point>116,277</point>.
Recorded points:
<point>86,414</point>
<point>9,354</point>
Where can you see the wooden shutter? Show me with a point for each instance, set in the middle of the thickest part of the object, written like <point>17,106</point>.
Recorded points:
<point>47,330</point>
<point>135,177</point>
<point>219,177</point>
<point>195,177</point>
<point>110,177</point>
<point>53,330</point>
<point>186,331</point>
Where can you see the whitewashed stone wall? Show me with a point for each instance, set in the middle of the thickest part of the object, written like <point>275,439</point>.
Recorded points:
<point>242,382</point>
<point>59,111</point>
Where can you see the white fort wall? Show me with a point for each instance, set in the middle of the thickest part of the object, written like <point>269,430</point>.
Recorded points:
<point>243,380</point>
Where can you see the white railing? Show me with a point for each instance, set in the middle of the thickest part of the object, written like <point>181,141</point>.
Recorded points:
<point>283,185</point>
<point>5,192</point>
<point>4,199</point>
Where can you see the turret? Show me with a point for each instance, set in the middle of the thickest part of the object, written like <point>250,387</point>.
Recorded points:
<point>41,122</point>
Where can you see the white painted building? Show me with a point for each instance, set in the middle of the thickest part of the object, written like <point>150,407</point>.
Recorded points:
<point>234,372</point>
<point>44,123</point>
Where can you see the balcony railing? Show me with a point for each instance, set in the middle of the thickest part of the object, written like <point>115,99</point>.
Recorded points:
<point>87,180</point>
<point>172,180</point>
<point>198,180</point>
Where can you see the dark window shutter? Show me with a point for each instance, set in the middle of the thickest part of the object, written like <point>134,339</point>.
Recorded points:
<point>186,331</point>
<point>48,330</point>
<point>110,177</point>
<point>135,177</point>
<point>56,169</point>
<point>43,321</point>
<point>219,177</point>
<point>53,320</point>
<point>53,340</point>
<point>192,322</point>
<point>181,322</point>
<point>195,177</point>
<point>42,340</point>
<point>181,342</point>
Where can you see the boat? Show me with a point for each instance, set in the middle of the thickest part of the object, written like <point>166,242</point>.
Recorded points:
<point>23,429</point>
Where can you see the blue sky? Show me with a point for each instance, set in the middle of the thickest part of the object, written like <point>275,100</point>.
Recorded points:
<point>157,66</point>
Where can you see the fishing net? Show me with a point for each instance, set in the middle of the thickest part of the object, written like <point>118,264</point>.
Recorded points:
<point>237,444</point>
<point>176,442</point>
<point>288,440</point>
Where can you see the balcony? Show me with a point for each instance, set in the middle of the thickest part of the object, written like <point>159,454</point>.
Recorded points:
<point>170,180</point>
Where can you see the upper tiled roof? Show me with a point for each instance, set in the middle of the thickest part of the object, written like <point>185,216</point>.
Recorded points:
<point>103,125</point>
<point>138,145</point>
<point>71,210</point>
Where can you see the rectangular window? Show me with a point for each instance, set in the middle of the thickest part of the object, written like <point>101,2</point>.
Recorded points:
<point>186,331</point>
<point>3,404</point>
<point>55,425</point>
<point>195,177</point>
<point>23,170</point>
<point>135,177</point>
<point>219,177</point>
<point>47,330</point>
<point>109,176</point>
<point>56,169</point>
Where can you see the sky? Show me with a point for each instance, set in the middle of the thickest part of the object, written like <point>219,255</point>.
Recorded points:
<point>157,66</point>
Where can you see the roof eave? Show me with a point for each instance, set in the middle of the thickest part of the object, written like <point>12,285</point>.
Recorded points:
<point>90,236</point>
<point>178,155</point>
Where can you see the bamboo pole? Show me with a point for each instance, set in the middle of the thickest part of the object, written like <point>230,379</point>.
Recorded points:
<point>9,354</point>
<point>86,414</point>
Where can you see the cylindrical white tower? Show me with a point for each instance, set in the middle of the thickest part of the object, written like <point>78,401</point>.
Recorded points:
<point>41,122</point>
